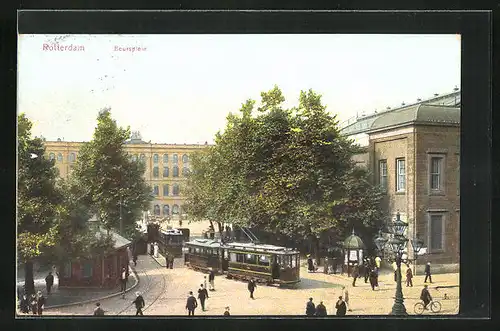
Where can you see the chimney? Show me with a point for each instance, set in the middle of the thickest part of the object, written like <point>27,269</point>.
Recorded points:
<point>456,88</point>
<point>418,99</point>
<point>436,94</point>
<point>402,104</point>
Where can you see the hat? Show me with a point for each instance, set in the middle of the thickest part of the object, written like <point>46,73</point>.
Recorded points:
<point>227,308</point>
<point>191,292</point>
<point>137,293</point>
<point>310,299</point>
<point>97,304</point>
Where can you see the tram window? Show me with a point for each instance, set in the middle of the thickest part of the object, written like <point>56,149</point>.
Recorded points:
<point>197,250</point>
<point>240,258</point>
<point>226,254</point>
<point>294,261</point>
<point>286,261</point>
<point>232,256</point>
<point>251,259</point>
<point>190,250</point>
<point>264,260</point>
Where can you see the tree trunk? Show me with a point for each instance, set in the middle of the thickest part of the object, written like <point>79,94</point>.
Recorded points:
<point>315,249</point>
<point>219,224</point>
<point>29,282</point>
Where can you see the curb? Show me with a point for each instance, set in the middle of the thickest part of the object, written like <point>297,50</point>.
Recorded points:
<point>101,298</point>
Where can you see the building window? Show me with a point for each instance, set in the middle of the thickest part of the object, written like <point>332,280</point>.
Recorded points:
<point>436,232</point>
<point>185,171</point>
<point>400,175</point>
<point>143,158</point>
<point>166,210</point>
<point>155,158</point>
<point>156,190</point>
<point>71,157</point>
<point>156,172</point>
<point>436,173</point>
<point>157,210</point>
<point>52,156</point>
<point>59,157</point>
<point>175,210</point>
<point>175,190</point>
<point>165,172</point>
<point>87,269</point>
<point>176,171</point>
<point>185,158</point>
<point>165,190</point>
<point>165,158</point>
<point>175,158</point>
<point>382,168</point>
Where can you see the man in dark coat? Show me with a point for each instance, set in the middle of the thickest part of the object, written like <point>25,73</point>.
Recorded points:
<point>226,313</point>
<point>425,296</point>
<point>310,308</point>
<point>134,259</point>
<point>191,304</point>
<point>139,304</point>
<point>355,275</point>
<point>321,309</point>
<point>409,276</point>
<point>34,304</point>
<point>366,270</point>
<point>373,279</point>
<point>98,311</point>
<point>428,272</point>
<point>24,304</point>
<point>341,307</point>
<point>251,287</point>
<point>310,264</point>
<point>211,278</point>
<point>202,295</point>
<point>170,260</point>
<point>123,281</point>
<point>40,303</point>
<point>49,281</point>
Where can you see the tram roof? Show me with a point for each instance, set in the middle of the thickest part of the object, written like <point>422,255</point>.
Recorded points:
<point>171,232</point>
<point>261,248</point>
<point>204,243</point>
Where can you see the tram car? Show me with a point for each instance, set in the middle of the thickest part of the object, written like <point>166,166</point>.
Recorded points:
<point>171,241</point>
<point>267,264</point>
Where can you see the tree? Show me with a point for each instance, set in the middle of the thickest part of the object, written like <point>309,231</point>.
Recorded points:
<point>116,190</point>
<point>287,171</point>
<point>39,200</point>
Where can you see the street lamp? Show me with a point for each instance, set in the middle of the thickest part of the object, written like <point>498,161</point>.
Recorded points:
<point>397,244</point>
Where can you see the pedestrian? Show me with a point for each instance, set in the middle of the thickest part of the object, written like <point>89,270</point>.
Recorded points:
<point>325,266</point>
<point>202,295</point>
<point>428,272</point>
<point>134,259</point>
<point>321,309</point>
<point>345,292</point>
<point>226,313</point>
<point>251,287</point>
<point>310,264</point>
<point>191,304</point>
<point>167,260</point>
<point>139,303</point>
<point>425,296</point>
<point>355,275</point>
<point>49,281</point>
<point>310,308</point>
<point>211,278</point>
<point>341,307</point>
<point>205,281</point>
<point>378,261</point>
<point>366,270</point>
<point>40,303</point>
<point>34,304</point>
<point>98,311</point>
<point>24,304</point>
<point>123,281</point>
<point>172,258</point>
<point>373,279</point>
<point>409,276</point>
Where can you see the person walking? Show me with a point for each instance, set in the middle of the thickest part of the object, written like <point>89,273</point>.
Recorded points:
<point>366,270</point>
<point>202,295</point>
<point>251,287</point>
<point>378,261</point>
<point>123,281</point>
<point>139,303</point>
<point>310,263</point>
<point>341,307</point>
<point>373,279</point>
<point>355,275</point>
<point>24,304</point>
<point>425,296</point>
<point>428,272</point>
<point>49,281</point>
<point>191,304</point>
<point>226,312</point>
<point>98,311</point>
<point>321,309</point>
<point>170,260</point>
<point>34,304</point>
<point>134,259</point>
<point>409,276</point>
<point>205,281</point>
<point>40,303</point>
<point>211,278</point>
<point>167,260</point>
<point>310,308</point>
<point>345,292</point>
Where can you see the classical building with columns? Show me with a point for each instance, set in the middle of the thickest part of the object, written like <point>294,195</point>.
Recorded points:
<point>166,168</point>
<point>413,153</point>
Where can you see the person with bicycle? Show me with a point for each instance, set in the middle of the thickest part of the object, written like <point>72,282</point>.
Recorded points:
<point>425,296</point>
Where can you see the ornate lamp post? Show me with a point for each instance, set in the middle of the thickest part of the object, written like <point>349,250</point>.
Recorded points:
<point>397,244</point>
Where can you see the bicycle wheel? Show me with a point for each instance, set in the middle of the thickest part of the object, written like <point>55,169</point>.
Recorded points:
<point>419,308</point>
<point>435,306</point>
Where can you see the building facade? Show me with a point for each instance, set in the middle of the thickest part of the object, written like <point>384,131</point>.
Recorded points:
<point>413,153</point>
<point>166,168</point>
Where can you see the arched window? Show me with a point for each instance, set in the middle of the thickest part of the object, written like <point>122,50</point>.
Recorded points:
<point>71,157</point>
<point>156,172</point>
<point>176,171</point>
<point>165,171</point>
<point>156,190</point>
<point>155,158</point>
<point>165,190</point>
<point>165,158</point>
<point>175,190</point>
<point>185,171</point>
<point>52,156</point>
<point>59,157</point>
<point>143,158</point>
<point>166,210</point>
<point>185,158</point>
<point>175,158</point>
<point>175,209</point>
<point>157,210</point>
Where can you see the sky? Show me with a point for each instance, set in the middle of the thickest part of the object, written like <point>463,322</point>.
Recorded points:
<point>180,88</point>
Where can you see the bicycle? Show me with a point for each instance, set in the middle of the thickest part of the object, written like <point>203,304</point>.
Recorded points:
<point>434,305</point>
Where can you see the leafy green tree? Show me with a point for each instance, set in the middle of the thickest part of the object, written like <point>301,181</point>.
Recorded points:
<point>38,201</point>
<point>115,187</point>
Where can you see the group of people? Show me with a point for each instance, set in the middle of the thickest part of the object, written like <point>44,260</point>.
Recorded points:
<point>320,309</point>
<point>34,303</point>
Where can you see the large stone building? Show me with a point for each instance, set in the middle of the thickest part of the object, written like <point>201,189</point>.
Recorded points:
<point>413,152</point>
<point>166,167</point>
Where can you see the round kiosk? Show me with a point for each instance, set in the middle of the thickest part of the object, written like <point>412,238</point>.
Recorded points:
<point>353,252</point>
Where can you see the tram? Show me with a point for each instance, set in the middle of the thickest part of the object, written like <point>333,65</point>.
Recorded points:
<point>171,241</point>
<point>267,264</point>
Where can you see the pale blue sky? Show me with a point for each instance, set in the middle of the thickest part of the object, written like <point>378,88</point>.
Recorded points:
<point>180,89</point>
